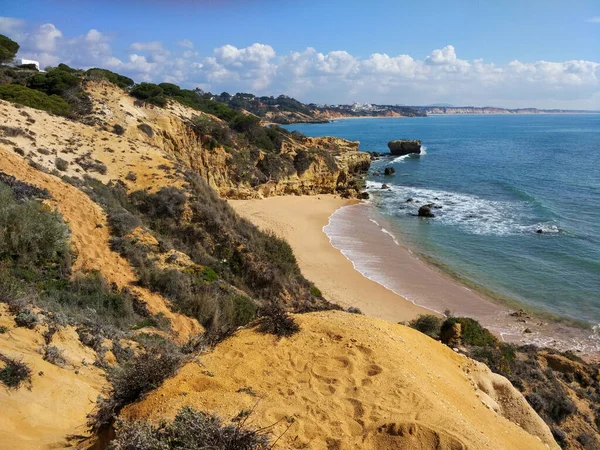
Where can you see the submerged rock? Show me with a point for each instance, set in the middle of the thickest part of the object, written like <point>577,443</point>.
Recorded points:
<point>384,186</point>
<point>425,211</point>
<point>403,147</point>
<point>389,171</point>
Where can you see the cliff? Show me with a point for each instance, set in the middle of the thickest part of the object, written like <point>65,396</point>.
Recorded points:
<point>155,282</point>
<point>168,134</point>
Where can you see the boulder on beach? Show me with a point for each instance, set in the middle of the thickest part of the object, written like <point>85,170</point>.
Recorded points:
<point>425,211</point>
<point>389,171</point>
<point>401,147</point>
<point>363,196</point>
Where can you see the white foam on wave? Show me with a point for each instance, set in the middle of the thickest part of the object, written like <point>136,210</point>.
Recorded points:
<point>468,212</point>
<point>403,158</point>
<point>384,231</point>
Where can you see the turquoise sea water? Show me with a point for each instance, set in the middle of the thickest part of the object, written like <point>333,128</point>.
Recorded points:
<point>498,179</point>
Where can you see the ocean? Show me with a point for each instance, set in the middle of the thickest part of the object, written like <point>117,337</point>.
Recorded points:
<point>518,207</point>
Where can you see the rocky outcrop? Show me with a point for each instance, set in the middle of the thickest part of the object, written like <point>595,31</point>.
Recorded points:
<point>425,211</point>
<point>403,147</point>
<point>389,171</point>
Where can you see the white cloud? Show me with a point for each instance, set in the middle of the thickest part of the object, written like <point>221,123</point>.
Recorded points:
<point>594,19</point>
<point>186,43</point>
<point>445,56</point>
<point>10,25</point>
<point>332,77</point>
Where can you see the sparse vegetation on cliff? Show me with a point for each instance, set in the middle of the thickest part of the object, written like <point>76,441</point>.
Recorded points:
<point>553,383</point>
<point>189,430</point>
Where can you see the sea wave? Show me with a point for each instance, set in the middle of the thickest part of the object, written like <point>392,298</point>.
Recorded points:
<point>403,158</point>
<point>468,212</point>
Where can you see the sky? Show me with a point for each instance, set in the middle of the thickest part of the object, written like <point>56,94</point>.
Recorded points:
<point>526,53</point>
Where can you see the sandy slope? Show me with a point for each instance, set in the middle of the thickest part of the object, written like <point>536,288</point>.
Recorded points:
<point>353,382</point>
<point>300,221</point>
<point>90,238</point>
<point>59,398</point>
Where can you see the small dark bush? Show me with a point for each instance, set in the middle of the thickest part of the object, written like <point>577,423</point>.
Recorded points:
<point>427,324</point>
<point>315,291</point>
<point>274,320</point>
<point>143,373</point>
<point>61,164</point>
<point>189,430</point>
<point>118,129</point>
<point>14,372</point>
<point>54,355</point>
<point>26,318</point>
<point>131,176</point>
<point>3,329</point>
<point>91,165</point>
<point>145,128</point>
<point>536,402</point>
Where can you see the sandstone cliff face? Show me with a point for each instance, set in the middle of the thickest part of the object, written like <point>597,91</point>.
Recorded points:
<point>171,133</point>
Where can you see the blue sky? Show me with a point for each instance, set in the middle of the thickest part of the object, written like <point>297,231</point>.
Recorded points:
<point>506,53</point>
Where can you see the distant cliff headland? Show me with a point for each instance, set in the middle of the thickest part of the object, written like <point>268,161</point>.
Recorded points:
<point>287,110</point>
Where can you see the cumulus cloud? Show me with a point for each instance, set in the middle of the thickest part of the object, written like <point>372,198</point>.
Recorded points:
<point>331,77</point>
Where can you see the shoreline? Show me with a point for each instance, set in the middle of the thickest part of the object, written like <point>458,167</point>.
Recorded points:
<point>300,221</point>
<point>303,222</point>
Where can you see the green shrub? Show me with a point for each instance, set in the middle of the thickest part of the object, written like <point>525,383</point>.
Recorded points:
<point>89,296</point>
<point>54,81</point>
<point>472,332</point>
<point>3,329</point>
<point>14,373</point>
<point>8,49</point>
<point>189,430</point>
<point>22,95</point>
<point>150,93</point>
<point>115,78</point>
<point>427,324</point>
<point>315,291</point>
<point>29,232</point>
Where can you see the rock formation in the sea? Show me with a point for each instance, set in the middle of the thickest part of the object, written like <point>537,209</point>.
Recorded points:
<point>389,171</point>
<point>384,186</point>
<point>425,211</point>
<point>403,147</point>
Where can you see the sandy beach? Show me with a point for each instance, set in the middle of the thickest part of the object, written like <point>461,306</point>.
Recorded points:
<point>300,220</point>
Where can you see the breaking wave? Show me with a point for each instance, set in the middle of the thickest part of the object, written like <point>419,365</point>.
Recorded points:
<point>470,213</point>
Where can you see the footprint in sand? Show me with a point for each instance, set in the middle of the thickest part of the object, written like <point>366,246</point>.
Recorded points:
<point>415,436</point>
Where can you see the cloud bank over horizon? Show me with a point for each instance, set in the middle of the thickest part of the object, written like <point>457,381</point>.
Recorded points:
<point>313,76</point>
